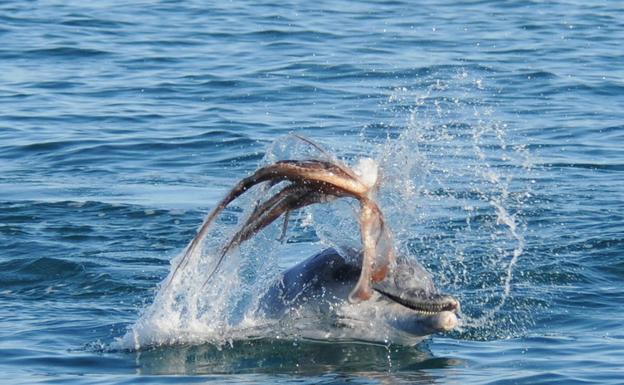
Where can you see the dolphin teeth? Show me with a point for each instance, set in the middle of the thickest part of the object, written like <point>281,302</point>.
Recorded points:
<point>425,306</point>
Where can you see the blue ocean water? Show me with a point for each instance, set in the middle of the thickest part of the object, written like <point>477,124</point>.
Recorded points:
<point>499,126</point>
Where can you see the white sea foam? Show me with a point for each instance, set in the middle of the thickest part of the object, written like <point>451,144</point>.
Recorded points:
<point>368,170</point>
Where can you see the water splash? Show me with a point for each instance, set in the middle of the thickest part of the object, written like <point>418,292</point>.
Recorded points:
<point>186,310</point>
<point>453,188</point>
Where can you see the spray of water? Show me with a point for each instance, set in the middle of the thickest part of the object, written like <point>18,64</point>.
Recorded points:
<point>186,310</point>
<point>455,188</point>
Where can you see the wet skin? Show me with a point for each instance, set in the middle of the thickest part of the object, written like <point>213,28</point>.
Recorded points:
<point>406,302</point>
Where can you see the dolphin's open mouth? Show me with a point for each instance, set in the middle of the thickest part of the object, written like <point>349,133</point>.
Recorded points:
<point>429,305</point>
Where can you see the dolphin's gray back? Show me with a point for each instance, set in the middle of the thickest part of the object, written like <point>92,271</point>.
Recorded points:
<point>323,278</point>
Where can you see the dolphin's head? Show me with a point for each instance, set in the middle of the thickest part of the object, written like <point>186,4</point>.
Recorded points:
<point>414,304</point>
<point>404,307</point>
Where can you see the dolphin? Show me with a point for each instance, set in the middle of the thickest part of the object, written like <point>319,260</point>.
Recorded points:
<point>404,308</point>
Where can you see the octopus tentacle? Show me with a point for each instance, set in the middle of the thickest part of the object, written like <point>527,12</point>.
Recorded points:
<point>304,172</point>
<point>329,156</point>
<point>370,220</point>
<point>284,227</point>
<point>311,181</point>
<point>266,213</point>
<point>293,197</point>
<point>289,199</point>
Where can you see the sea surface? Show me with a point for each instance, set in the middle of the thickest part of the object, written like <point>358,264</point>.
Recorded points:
<point>498,127</point>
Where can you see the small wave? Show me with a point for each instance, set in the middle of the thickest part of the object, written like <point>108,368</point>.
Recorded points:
<point>39,271</point>
<point>289,35</point>
<point>64,153</point>
<point>56,85</point>
<point>589,166</point>
<point>92,23</point>
<point>61,279</point>
<point>65,52</point>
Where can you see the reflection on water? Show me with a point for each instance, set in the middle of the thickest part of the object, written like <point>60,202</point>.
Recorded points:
<point>308,358</point>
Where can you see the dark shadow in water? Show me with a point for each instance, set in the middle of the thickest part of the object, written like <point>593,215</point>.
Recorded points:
<point>306,358</point>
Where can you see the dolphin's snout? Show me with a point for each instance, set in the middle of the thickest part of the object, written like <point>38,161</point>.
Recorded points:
<point>444,321</point>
